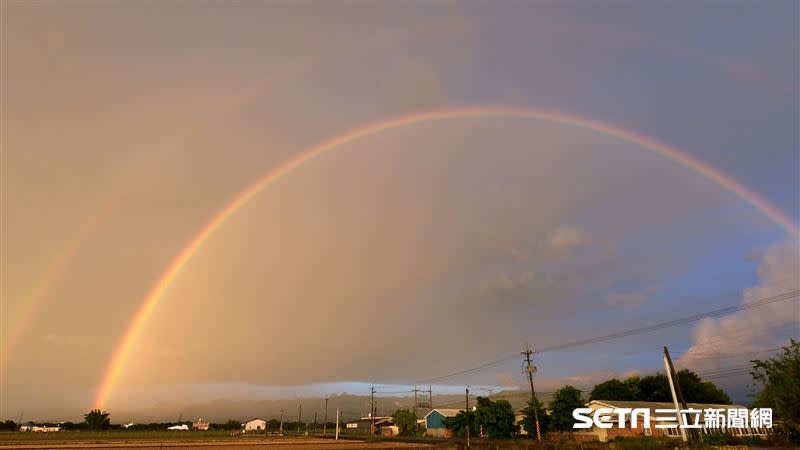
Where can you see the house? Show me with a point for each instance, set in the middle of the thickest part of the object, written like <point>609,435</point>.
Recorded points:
<point>434,422</point>
<point>30,427</point>
<point>179,427</point>
<point>200,425</point>
<point>607,434</point>
<point>364,424</point>
<point>390,430</point>
<point>255,424</point>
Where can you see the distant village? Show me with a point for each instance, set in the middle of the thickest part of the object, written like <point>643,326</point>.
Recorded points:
<point>436,423</point>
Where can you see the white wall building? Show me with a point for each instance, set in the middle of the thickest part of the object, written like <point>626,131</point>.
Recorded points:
<point>255,424</point>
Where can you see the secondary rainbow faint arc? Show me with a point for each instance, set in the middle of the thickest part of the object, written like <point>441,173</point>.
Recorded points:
<point>117,362</point>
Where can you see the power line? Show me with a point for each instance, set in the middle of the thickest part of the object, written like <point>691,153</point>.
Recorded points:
<point>725,355</point>
<point>790,295</point>
<point>671,323</point>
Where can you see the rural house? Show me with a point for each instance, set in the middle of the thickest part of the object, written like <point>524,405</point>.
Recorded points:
<point>200,425</point>
<point>255,424</point>
<point>434,422</point>
<point>364,424</point>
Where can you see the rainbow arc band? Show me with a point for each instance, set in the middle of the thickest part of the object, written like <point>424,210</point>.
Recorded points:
<point>148,305</point>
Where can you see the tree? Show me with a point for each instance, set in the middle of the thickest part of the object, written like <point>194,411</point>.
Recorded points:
<point>529,419</point>
<point>458,423</point>
<point>632,383</point>
<point>97,420</point>
<point>405,420</point>
<point>781,389</point>
<point>232,425</point>
<point>564,402</point>
<point>655,388</point>
<point>695,390</point>
<point>495,419</point>
<point>612,389</point>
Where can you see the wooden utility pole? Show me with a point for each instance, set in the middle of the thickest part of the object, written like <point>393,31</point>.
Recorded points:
<point>466,414</point>
<point>430,397</point>
<point>372,409</point>
<point>315,422</point>
<point>415,400</point>
<point>299,417</point>
<point>281,429</point>
<point>530,369</point>
<point>325,425</point>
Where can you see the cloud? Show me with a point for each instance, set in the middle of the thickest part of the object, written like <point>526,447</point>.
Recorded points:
<point>563,242</point>
<point>757,328</point>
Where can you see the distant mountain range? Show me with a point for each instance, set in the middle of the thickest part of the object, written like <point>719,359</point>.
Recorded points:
<point>350,406</point>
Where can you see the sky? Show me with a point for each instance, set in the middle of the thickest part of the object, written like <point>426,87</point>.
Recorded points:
<point>409,253</point>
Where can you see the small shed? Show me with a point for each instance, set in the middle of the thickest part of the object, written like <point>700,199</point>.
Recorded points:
<point>434,421</point>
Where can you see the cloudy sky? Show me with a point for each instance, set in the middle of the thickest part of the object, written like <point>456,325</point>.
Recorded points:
<point>413,252</point>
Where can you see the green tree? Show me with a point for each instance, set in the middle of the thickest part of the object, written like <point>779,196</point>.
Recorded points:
<point>655,388</point>
<point>97,420</point>
<point>633,386</point>
<point>458,423</point>
<point>695,390</point>
<point>405,420</point>
<point>564,402</point>
<point>529,419</point>
<point>232,425</point>
<point>780,381</point>
<point>495,419</point>
<point>612,389</point>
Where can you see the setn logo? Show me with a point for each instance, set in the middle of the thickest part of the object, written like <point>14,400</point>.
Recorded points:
<point>602,416</point>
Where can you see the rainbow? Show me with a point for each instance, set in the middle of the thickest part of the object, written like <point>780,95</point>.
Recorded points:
<point>63,260</point>
<point>150,302</point>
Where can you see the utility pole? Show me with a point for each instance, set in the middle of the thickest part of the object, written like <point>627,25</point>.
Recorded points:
<point>675,389</point>
<point>299,417</point>
<point>315,422</point>
<point>530,369</point>
<point>415,400</point>
<point>466,414</point>
<point>430,397</point>
<point>372,409</point>
<point>281,429</point>
<point>337,424</point>
<point>325,425</point>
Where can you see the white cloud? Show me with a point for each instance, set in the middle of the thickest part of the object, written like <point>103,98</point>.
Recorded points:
<point>756,328</point>
<point>562,242</point>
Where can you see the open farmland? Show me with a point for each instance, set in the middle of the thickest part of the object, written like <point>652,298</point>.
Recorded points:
<point>177,440</point>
